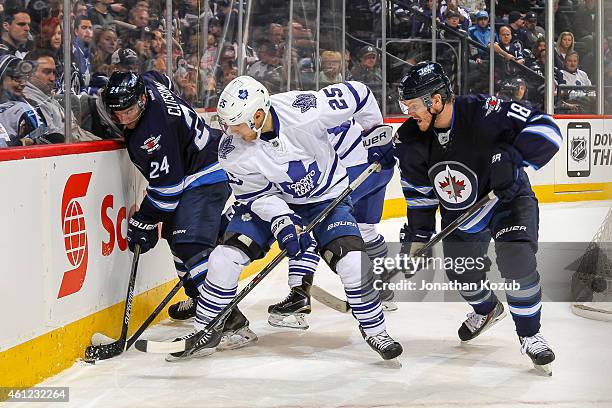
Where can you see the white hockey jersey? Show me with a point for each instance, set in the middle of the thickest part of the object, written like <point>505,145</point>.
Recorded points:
<point>299,165</point>
<point>346,141</point>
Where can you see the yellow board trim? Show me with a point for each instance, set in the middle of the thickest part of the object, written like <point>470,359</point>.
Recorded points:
<point>29,363</point>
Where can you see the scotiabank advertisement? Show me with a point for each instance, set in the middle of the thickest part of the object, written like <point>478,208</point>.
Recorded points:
<point>64,248</point>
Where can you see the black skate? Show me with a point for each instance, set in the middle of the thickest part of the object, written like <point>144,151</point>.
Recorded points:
<point>383,344</point>
<point>476,324</point>
<point>291,311</point>
<point>206,346</point>
<point>183,310</point>
<point>236,332</point>
<point>536,347</point>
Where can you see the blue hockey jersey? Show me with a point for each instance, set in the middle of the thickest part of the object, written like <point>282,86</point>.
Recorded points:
<point>172,147</point>
<point>450,168</point>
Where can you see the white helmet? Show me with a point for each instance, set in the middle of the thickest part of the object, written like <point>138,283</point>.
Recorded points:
<point>239,101</point>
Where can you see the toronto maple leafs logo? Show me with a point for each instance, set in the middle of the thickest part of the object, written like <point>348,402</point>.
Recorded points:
<point>151,144</point>
<point>455,184</point>
<point>243,94</point>
<point>304,102</point>
<point>303,181</point>
<point>226,147</point>
<point>492,104</point>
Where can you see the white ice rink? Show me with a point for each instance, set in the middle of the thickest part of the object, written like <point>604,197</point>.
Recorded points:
<point>330,365</point>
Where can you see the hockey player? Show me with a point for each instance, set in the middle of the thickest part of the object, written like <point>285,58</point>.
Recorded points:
<point>283,171</point>
<point>452,151</point>
<point>176,151</point>
<point>368,200</point>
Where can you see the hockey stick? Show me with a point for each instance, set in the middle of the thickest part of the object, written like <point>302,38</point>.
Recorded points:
<point>99,339</point>
<point>104,351</point>
<point>149,346</point>
<point>342,305</point>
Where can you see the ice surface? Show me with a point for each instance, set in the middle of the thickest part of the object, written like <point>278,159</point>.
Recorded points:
<point>329,365</point>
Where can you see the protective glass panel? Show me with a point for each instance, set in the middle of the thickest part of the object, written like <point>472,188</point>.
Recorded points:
<point>303,49</point>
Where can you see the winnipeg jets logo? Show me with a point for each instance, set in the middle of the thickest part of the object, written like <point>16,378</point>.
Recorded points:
<point>455,184</point>
<point>426,70</point>
<point>304,102</point>
<point>151,144</point>
<point>226,147</point>
<point>492,104</point>
<point>243,94</point>
<point>303,180</point>
<point>579,149</point>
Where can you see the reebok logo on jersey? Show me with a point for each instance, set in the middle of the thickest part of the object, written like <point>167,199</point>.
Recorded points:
<point>304,102</point>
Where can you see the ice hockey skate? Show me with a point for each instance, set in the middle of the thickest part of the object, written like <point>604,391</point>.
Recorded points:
<point>291,312</point>
<point>537,348</point>
<point>476,324</point>
<point>183,310</point>
<point>235,334</point>
<point>383,344</point>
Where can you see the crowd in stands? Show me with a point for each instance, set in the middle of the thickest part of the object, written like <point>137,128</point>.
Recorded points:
<point>109,35</point>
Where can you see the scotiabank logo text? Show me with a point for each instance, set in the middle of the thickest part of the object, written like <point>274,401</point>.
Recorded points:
<point>76,240</point>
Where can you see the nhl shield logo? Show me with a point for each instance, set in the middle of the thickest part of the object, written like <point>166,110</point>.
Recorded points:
<point>455,184</point>
<point>579,149</point>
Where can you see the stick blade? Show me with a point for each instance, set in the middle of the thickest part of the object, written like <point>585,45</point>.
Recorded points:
<point>160,347</point>
<point>104,351</point>
<point>329,300</point>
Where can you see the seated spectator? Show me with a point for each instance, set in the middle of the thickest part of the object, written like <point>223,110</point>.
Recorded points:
<point>421,20</point>
<point>532,31</point>
<point>20,124</point>
<point>14,74</point>
<point>268,69</point>
<point>331,68</point>
<point>16,31</point>
<point>452,19</point>
<point>508,44</point>
<point>576,100</point>
<point>276,34</point>
<point>464,16</point>
<point>209,57</point>
<point>50,37</point>
<point>81,46</point>
<point>104,45</point>
<point>565,44</point>
<point>101,14</point>
<point>368,71</point>
<point>515,90</point>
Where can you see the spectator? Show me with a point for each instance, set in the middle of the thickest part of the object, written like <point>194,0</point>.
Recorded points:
<point>16,31</point>
<point>565,44</point>
<point>508,44</point>
<point>209,56</point>
<point>481,32</point>
<point>20,124</point>
<point>139,16</point>
<point>79,9</point>
<point>464,15</point>
<point>105,44</point>
<point>228,16</point>
<point>589,63</point>
<point>50,37</point>
<point>14,74</point>
<point>331,67</point>
<point>516,90</point>
<point>367,70</point>
<point>101,14</point>
<point>452,19</point>
<point>578,100</point>
<point>268,69</point>
<point>43,78</point>
<point>516,23</point>
<point>584,22</point>
<point>81,45</point>
<point>421,20</point>
<point>562,21</point>
<point>532,31</point>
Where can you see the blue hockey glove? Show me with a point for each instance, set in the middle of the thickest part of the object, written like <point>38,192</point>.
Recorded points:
<point>378,142</point>
<point>286,233</point>
<point>143,232</point>
<point>505,164</point>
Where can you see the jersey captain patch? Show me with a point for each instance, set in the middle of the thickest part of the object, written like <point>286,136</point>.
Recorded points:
<point>304,102</point>
<point>455,184</point>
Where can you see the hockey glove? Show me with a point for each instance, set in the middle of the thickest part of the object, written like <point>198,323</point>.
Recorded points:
<point>142,232</point>
<point>286,233</point>
<point>505,178</point>
<point>410,244</point>
<point>378,142</point>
